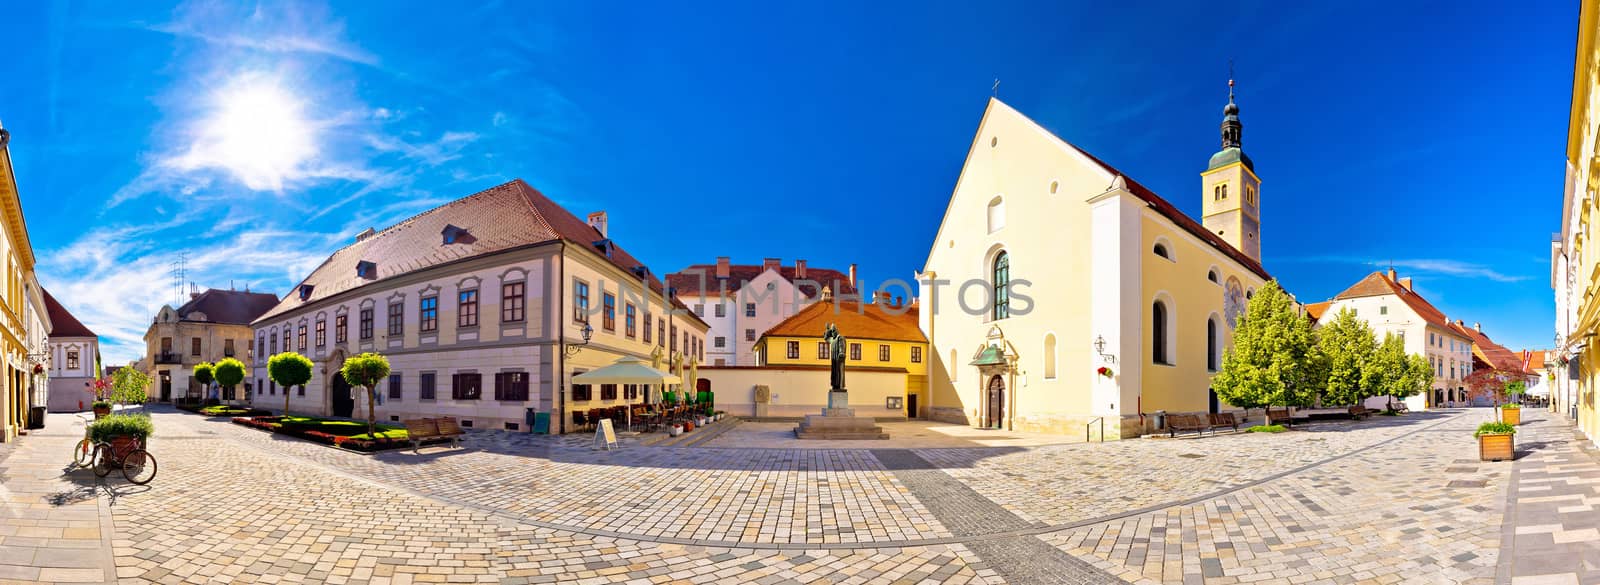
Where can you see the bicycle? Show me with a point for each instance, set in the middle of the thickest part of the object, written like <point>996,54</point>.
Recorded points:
<point>83,452</point>
<point>138,466</point>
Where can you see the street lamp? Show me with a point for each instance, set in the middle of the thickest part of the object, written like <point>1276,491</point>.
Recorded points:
<point>574,348</point>
<point>1100,348</point>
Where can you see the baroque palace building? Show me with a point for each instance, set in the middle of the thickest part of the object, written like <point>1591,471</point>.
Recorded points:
<point>485,307</point>
<point>213,325</point>
<point>24,321</point>
<point>1061,294</point>
<point>74,359</point>
<point>1575,259</point>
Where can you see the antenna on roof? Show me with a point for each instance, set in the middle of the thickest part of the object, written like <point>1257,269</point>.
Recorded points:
<point>179,272</point>
<point>996,87</point>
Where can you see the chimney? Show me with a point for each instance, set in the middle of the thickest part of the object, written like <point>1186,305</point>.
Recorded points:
<point>722,266</point>
<point>799,269</point>
<point>1406,282</point>
<point>827,294</point>
<point>597,220</point>
<point>881,297</point>
<point>852,275</point>
<point>1478,327</point>
<point>366,233</point>
<point>1392,274</point>
<point>775,264</point>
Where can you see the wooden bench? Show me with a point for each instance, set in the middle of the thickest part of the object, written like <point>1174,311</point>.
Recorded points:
<point>1177,423</point>
<point>1359,412</point>
<point>1401,407</point>
<point>1277,416</point>
<point>428,429</point>
<point>1224,419</point>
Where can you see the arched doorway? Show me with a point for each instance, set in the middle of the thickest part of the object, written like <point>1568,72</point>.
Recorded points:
<point>997,403</point>
<point>343,405</point>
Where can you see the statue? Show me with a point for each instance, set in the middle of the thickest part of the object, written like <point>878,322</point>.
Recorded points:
<point>836,345</point>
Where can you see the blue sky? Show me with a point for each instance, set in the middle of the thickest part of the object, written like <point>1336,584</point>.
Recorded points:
<point>259,138</point>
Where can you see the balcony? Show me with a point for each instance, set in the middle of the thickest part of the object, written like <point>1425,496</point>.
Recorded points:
<point>168,357</point>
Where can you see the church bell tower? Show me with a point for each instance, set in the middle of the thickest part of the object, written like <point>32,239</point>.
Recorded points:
<point>1231,189</point>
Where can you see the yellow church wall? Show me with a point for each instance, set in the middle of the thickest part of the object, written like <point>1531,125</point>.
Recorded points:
<point>1192,299</point>
<point>1042,185</point>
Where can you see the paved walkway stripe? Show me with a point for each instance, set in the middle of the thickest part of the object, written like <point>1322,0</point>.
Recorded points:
<point>1018,559</point>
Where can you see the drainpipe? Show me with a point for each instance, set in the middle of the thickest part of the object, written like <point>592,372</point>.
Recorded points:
<point>559,380</point>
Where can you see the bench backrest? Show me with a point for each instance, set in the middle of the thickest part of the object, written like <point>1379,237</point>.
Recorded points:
<point>1184,421</point>
<point>422,427</point>
<point>448,426</point>
<point>1222,418</point>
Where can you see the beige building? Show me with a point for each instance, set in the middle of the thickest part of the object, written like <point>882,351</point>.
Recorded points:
<point>24,323</point>
<point>1575,266</point>
<point>213,325</point>
<point>1060,294</point>
<point>74,357</point>
<point>485,307</point>
<point>1390,304</point>
<point>743,301</point>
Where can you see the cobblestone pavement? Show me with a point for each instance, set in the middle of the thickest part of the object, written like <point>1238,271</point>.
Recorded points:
<point>1387,500</point>
<point>1551,526</point>
<point>53,522</point>
<point>1418,509</point>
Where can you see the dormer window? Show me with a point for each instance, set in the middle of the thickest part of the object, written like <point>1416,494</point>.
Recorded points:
<point>452,234</point>
<point>605,246</point>
<point>365,269</point>
<point>641,271</point>
<point>305,291</point>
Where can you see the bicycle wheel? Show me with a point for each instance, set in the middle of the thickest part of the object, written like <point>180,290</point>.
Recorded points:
<point>102,459</point>
<point>83,453</point>
<point>139,466</point>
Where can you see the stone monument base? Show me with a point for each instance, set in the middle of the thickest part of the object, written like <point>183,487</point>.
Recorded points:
<point>839,421</point>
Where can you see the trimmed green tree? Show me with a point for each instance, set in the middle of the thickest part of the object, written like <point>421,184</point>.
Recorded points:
<point>365,371</point>
<point>205,373</point>
<point>1349,349</point>
<point>229,373</point>
<point>1515,389</point>
<point>129,385</point>
<point>289,369</point>
<point>1273,360</point>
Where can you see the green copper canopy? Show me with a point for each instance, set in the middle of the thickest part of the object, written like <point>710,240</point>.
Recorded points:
<point>1229,156</point>
<point>990,356</point>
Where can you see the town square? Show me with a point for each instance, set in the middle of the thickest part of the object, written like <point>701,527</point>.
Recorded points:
<point>307,292</point>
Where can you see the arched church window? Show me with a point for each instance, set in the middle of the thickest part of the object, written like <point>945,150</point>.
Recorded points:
<point>1161,250</point>
<point>1050,356</point>
<point>1002,284</point>
<point>1211,344</point>
<point>1158,337</point>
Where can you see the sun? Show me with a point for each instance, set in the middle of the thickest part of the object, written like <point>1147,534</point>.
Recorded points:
<point>257,131</point>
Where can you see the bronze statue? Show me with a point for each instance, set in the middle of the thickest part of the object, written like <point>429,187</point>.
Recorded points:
<point>836,344</point>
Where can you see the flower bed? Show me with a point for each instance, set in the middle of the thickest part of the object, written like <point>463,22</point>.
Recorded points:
<point>339,433</point>
<point>226,410</point>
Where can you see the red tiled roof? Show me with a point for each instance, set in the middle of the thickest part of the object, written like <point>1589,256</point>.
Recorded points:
<point>62,323</point>
<point>854,320</point>
<point>1166,209</point>
<point>689,282</point>
<point>1488,352</point>
<point>1378,283</point>
<point>1315,310</point>
<point>502,218</point>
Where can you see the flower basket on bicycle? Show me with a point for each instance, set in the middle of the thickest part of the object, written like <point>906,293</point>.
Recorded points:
<point>119,443</point>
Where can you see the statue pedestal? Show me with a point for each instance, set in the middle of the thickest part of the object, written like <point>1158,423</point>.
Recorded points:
<point>839,421</point>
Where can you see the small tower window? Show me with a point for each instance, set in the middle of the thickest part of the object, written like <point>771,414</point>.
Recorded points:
<point>1212,276</point>
<point>1224,190</point>
<point>1161,250</point>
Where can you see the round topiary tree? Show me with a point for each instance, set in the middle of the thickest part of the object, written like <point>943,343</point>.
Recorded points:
<point>365,371</point>
<point>289,369</point>
<point>229,373</point>
<point>204,373</point>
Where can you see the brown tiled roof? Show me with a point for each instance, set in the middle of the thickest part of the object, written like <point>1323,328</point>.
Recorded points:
<point>1378,283</point>
<point>1315,310</point>
<point>62,323</point>
<point>854,320</point>
<point>504,217</point>
<point>1536,358</point>
<point>227,306</point>
<point>1488,352</point>
<point>688,282</point>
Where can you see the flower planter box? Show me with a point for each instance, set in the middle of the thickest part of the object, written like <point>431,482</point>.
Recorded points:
<point>1511,415</point>
<point>1496,447</point>
<point>100,413</point>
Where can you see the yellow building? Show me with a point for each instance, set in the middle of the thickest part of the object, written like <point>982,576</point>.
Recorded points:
<point>881,336</point>
<point>1575,266</point>
<point>23,324</point>
<point>1060,294</point>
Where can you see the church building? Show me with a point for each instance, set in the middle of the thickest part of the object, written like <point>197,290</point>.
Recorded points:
<point>1060,294</point>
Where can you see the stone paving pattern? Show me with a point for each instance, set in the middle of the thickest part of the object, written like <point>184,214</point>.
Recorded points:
<point>1384,501</point>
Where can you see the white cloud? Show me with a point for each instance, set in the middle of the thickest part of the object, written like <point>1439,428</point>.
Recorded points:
<point>1433,266</point>
<point>293,28</point>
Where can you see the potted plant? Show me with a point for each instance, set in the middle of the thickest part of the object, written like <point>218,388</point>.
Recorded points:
<point>688,425</point>
<point>676,430</point>
<point>121,430</point>
<point>101,408</point>
<point>1495,442</point>
<point>1511,414</point>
